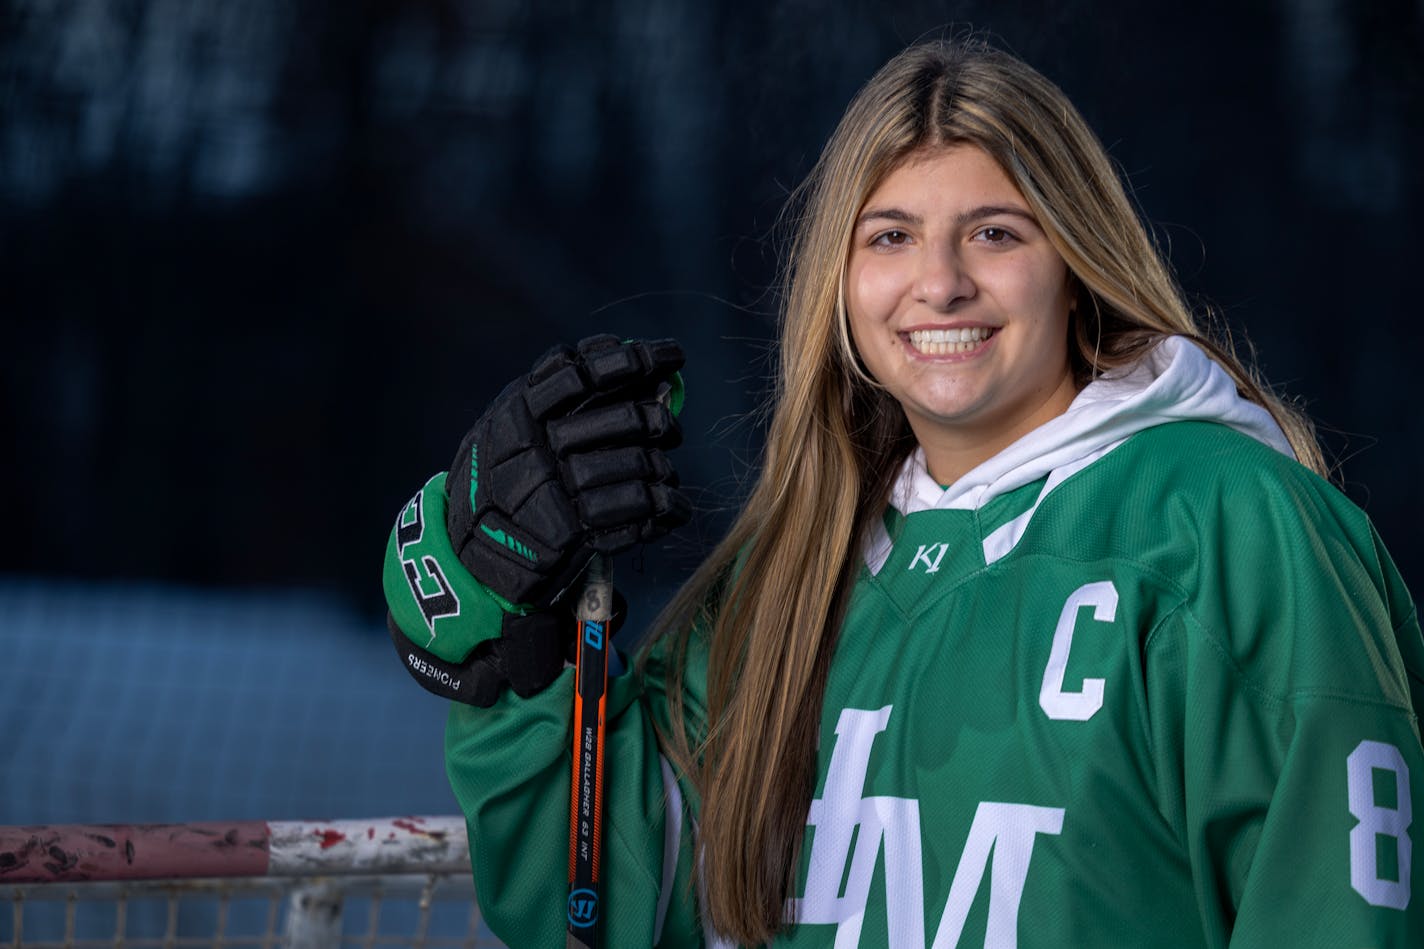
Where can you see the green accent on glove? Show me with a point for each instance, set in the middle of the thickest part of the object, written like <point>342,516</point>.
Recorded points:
<point>500,537</point>
<point>673,398</point>
<point>474,473</point>
<point>677,394</point>
<point>434,600</point>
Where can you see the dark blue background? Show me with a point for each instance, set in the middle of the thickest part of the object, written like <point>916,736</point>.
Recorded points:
<point>262,263</point>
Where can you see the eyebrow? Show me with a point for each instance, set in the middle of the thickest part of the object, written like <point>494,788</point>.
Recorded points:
<point>901,216</point>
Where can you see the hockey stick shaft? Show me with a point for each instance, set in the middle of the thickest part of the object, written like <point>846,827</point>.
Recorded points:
<point>595,609</point>
<point>595,614</point>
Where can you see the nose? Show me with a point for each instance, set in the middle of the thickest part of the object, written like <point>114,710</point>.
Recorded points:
<point>942,279</point>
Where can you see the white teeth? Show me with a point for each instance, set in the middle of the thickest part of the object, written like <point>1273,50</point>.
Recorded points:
<point>947,342</point>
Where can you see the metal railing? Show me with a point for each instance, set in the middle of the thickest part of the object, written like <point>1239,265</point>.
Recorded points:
<point>398,882</point>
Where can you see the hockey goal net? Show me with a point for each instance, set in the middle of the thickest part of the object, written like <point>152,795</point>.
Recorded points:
<point>399,882</point>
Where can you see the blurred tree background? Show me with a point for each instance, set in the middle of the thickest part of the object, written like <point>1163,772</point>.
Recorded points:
<point>263,262</point>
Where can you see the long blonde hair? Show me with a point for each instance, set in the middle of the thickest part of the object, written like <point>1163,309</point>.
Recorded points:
<point>767,605</point>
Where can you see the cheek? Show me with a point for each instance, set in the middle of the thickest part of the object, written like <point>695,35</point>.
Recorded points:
<point>866,316</point>
<point>860,338</point>
<point>872,292</point>
<point>1043,296</point>
<point>1048,299</point>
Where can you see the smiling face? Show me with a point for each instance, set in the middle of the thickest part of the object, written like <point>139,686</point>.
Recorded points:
<point>959,306</point>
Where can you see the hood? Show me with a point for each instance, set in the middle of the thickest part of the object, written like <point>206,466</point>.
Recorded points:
<point>1176,381</point>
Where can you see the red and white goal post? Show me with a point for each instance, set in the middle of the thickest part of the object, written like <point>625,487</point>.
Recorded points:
<point>395,882</point>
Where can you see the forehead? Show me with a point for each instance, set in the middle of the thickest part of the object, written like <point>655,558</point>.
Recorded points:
<point>954,175</point>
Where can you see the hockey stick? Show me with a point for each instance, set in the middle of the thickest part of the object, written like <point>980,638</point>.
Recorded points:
<point>595,614</point>
<point>595,609</point>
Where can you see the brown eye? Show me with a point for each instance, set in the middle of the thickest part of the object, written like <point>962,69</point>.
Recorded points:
<point>891,238</point>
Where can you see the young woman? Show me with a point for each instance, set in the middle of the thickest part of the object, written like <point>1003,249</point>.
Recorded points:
<point>1039,627</point>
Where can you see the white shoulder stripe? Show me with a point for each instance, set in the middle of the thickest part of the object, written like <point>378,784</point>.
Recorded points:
<point>1007,536</point>
<point>672,843</point>
<point>877,547</point>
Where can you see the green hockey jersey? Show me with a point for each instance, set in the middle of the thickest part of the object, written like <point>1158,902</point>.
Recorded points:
<point>1140,680</point>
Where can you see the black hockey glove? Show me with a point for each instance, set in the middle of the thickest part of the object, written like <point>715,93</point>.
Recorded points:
<point>455,637</point>
<point>567,461</point>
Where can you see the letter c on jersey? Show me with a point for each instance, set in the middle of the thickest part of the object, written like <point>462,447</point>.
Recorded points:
<point>1081,705</point>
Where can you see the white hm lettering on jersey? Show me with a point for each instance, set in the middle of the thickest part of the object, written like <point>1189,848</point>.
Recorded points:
<point>1001,839</point>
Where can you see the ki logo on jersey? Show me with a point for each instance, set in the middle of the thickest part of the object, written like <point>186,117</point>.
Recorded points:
<point>930,556</point>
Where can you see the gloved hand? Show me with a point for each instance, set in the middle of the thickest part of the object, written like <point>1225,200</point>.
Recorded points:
<point>568,460</point>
